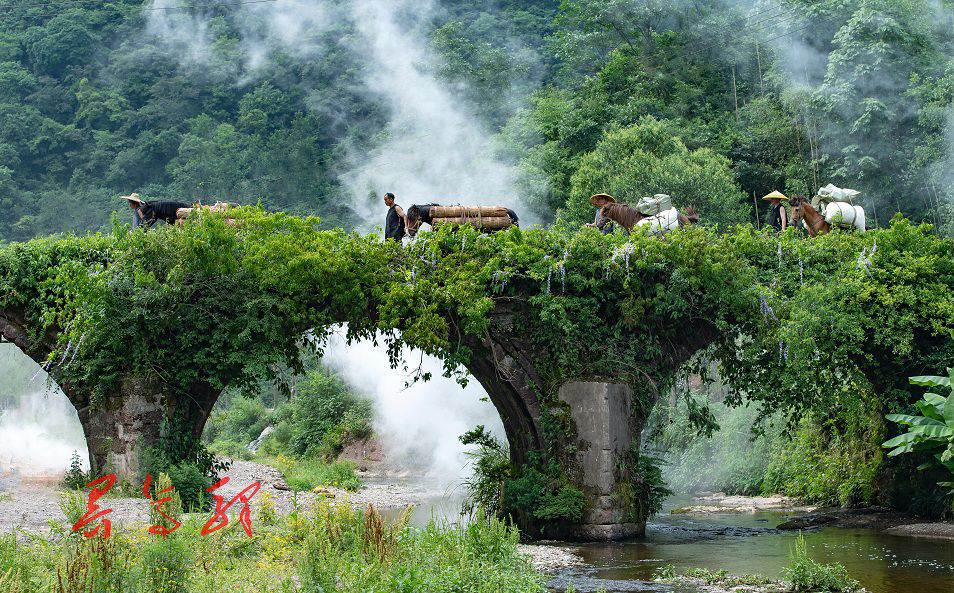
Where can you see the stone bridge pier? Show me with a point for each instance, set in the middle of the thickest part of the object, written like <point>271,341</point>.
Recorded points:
<point>605,434</point>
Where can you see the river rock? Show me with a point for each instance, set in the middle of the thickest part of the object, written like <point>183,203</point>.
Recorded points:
<point>943,531</point>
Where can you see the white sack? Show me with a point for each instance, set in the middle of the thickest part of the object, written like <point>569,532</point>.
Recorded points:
<point>661,223</point>
<point>842,214</point>
<point>655,205</point>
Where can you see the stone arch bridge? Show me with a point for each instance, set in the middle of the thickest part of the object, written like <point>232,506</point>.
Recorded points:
<point>572,336</point>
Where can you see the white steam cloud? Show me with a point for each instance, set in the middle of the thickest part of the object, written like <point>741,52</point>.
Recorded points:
<point>39,428</point>
<point>419,426</point>
<point>436,151</point>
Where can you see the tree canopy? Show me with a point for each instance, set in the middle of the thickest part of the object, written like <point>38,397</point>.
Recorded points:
<point>101,99</point>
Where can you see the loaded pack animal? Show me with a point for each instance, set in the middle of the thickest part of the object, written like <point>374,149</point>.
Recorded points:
<point>817,224</point>
<point>419,214</point>
<point>628,217</point>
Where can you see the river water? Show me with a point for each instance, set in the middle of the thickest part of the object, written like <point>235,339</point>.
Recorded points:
<point>740,543</point>
<point>749,544</point>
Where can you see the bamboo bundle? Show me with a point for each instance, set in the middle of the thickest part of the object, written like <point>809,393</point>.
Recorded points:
<point>484,222</point>
<point>228,221</point>
<point>468,211</point>
<point>217,207</point>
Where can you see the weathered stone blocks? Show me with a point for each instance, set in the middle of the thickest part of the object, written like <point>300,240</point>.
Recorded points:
<point>603,418</point>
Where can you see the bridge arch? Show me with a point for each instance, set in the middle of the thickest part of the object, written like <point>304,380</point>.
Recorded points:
<point>138,327</point>
<point>117,428</point>
<point>143,327</point>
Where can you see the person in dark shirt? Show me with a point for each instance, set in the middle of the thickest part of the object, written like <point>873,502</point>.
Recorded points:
<point>395,225</point>
<point>147,213</point>
<point>778,215</point>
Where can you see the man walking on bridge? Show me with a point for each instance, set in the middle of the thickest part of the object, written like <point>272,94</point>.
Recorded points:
<point>395,224</point>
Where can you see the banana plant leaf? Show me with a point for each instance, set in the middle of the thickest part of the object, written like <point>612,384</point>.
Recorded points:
<point>914,420</point>
<point>933,431</point>
<point>930,381</point>
<point>932,410</point>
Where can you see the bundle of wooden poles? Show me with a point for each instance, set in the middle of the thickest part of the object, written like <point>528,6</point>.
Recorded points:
<point>183,213</point>
<point>481,217</point>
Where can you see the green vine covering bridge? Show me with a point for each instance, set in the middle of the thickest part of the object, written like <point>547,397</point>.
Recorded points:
<point>573,334</point>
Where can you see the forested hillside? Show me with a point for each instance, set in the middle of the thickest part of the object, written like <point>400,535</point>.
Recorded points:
<point>711,101</point>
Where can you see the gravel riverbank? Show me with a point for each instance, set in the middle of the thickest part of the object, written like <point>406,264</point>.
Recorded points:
<point>29,506</point>
<point>719,502</point>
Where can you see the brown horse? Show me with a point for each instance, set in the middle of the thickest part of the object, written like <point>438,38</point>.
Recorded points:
<point>627,216</point>
<point>814,221</point>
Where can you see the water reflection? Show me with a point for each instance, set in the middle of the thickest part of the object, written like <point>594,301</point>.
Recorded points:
<point>742,544</point>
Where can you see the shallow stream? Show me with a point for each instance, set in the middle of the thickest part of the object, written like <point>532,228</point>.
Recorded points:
<point>741,543</point>
<point>749,544</point>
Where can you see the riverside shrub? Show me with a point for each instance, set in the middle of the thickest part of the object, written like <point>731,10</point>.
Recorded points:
<point>326,547</point>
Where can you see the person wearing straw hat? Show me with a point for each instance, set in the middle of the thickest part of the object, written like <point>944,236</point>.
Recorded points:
<point>778,215</point>
<point>598,201</point>
<point>147,213</point>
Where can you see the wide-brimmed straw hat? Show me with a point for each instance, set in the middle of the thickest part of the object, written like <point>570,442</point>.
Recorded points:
<point>133,198</point>
<point>775,195</point>
<point>602,198</point>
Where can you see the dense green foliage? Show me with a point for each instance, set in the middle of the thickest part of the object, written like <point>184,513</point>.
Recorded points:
<point>319,419</point>
<point>837,312</point>
<point>234,423</point>
<point>732,460</point>
<point>833,460</point>
<point>801,93</point>
<point>329,548</point>
<point>185,460</point>
<point>100,99</point>
<point>497,488</point>
<point>848,314</point>
<point>647,159</point>
<point>322,418</point>
<point>827,459</point>
<point>932,430</point>
<point>839,330</point>
<point>95,103</point>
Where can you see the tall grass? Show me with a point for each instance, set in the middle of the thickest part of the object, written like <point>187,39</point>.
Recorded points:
<point>325,548</point>
<point>807,575</point>
<point>309,473</point>
<point>357,552</point>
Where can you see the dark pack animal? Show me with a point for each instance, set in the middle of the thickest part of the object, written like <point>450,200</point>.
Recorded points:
<point>163,210</point>
<point>419,214</point>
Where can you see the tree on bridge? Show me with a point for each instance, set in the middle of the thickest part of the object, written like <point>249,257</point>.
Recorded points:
<point>143,331</point>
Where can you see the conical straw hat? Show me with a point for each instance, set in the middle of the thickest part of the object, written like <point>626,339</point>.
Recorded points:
<point>604,197</point>
<point>134,197</point>
<point>775,195</point>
